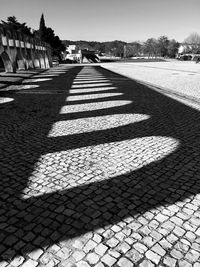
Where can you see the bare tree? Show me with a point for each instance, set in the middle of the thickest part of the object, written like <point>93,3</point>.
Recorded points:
<point>193,42</point>
<point>151,47</point>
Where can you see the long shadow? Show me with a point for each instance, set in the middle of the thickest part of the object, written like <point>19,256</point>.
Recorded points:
<point>121,177</point>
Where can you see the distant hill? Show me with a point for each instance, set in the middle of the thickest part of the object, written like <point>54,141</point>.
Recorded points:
<point>112,47</point>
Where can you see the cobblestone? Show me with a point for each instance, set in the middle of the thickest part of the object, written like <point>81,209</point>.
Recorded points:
<point>124,262</point>
<point>30,263</point>
<point>146,263</point>
<point>92,258</point>
<point>170,261</point>
<point>99,170</point>
<point>35,254</point>
<point>153,256</point>
<point>108,260</point>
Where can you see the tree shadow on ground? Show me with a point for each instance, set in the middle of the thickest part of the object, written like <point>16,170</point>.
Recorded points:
<point>32,218</point>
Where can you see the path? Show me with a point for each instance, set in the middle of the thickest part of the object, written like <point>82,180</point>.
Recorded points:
<point>97,170</point>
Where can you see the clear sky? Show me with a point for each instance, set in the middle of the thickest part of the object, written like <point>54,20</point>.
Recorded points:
<point>105,20</point>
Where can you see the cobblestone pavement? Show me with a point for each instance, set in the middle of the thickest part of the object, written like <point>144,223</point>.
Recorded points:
<point>176,77</point>
<point>97,170</point>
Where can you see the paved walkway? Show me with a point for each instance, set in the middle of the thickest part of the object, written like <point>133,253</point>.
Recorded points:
<point>97,170</point>
<point>176,77</point>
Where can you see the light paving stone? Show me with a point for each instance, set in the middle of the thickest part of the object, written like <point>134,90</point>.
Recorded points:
<point>145,231</point>
<point>123,247</point>
<point>168,225</point>
<point>157,236</point>
<point>101,249</point>
<point>4,263</point>
<point>196,246</point>
<point>100,264</point>
<point>153,256</point>
<point>161,218</point>
<point>89,246</point>
<point>149,241</point>
<point>97,238</point>
<point>120,236</point>
<point>67,263</point>
<point>108,234</point>
<point>54,248</point>
<point>129,240</point>
<point>30,263</point>
<point>116,228</point>
<point>64,253</point>
<point>17,261</point>
<point>35,254</point>
<point>78,255</point>
<point>113,242</point>
<point>184,263</point>
<point>171,262</point>
<point>165,244</point>
<point>124,262</point>
<point>134,256</point>
<point>78,244</point>
<point>198,232</point>
<point>172,238</point>
<point>158,249</point>
<point>108,260</point>
<point>178,231</point>
<point>134,226</point>
<point>176,254</point>
<point>190,236</point>
<point>192,255</point>
<point>114,253</point>
<point>92,258</point>
<point>52,263</point>
<point>181,247</point>
<point>140,247</point>
<point>146,263</point>
<point>46,258</point>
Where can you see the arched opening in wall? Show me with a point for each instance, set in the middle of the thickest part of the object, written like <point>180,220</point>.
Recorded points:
<point>8,67</point>
<point>30,59</point>
<point>37,60</point>
<point>2,68</point>
<point>20,61</point>
<point>46,60</point>
<point>42,61</point>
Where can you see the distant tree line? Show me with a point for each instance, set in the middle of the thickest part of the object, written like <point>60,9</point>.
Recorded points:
<point>152,47</point>
<point>112,48</point>
<point>160,47</point>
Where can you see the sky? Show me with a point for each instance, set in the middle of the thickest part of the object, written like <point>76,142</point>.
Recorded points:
<point>107,20</point>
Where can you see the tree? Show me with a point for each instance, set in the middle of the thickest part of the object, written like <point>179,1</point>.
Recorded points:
<point>136,48</point>
<point>172,48</point>
<point>193,42</point>
<point>47,35</point>
<point>42,26</point>
<point>14,25</point>
<point>163,43</point>
<point>151,47</point>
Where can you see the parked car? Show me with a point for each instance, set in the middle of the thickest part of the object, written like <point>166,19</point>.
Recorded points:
<point>55,62</point>
<point>196,59</point>
<point>185,57</point>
